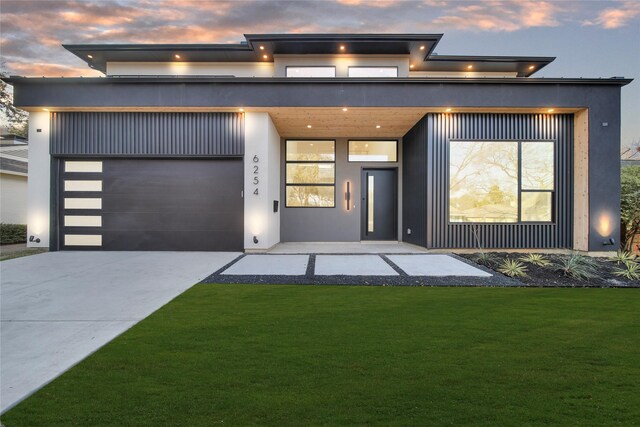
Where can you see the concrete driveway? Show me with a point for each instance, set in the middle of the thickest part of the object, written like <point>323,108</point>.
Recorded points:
<point>59,307</point>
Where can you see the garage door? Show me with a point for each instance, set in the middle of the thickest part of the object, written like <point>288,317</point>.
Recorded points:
<point>151,204</point>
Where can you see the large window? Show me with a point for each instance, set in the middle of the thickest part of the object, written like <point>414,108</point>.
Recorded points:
<point>501,181</point>
<point>373,71</point>
<point>373,151</point>
<point>310,174</point>
<point>310,71</point>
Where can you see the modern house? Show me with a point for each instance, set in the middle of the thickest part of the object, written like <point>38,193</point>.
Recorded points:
<point>320,137</point>
<point>14,167</point>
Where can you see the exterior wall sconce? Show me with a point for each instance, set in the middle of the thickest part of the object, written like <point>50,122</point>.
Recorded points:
<point>347,195</point>
<point>609,242</point>
<point>255,239</point>
<point>34,239</point>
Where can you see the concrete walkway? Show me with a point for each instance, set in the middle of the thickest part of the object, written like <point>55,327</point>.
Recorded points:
<point>59,307</point>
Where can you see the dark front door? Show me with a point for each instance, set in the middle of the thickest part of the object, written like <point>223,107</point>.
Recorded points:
<point>379,204</point>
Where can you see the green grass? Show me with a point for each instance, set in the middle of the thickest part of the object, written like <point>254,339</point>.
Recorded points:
<point>22,253</point>
<point>305,355</point>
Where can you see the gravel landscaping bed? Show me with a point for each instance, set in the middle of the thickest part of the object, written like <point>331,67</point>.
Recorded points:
<point>549,276</point>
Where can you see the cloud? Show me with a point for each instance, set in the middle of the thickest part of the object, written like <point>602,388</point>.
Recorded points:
<point>501,16</point>
<point>612,18</point>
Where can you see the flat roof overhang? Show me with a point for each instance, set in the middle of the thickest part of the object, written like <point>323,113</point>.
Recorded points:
<point>523,66</point>
<point>417,46</point>
<point>394,104</point>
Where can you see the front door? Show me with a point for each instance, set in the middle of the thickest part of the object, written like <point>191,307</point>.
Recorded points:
<point>379,204</point>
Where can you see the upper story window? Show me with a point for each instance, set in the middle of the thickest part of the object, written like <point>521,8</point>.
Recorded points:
<point>311,71</point>
<point>373,71</point>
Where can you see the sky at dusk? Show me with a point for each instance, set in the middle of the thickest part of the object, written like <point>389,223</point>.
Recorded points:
<point>589,38</point>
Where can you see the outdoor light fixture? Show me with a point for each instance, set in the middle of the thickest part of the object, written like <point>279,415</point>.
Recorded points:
<point>609,242</point>
<point>342,48</point>
<point>378,126</point>
<point>34,239</point>
<point>265,56</point>
<point>255,239</point>
<point>90,56</point>
<point>177,56</point>
<point>422,47</point>
<point>309,126</point>
<point>550,110</point>
<point>261,47</point>
<point>448,110</point>
<point>241,110</point>
<point>469,67</point>
<point>345,109</point>
<point>45,109</point>
<point>531,67</point>
<point>411,66</point>
<point>347,195</point>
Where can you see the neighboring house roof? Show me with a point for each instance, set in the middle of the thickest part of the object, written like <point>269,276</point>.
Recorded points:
<point>14,159</point>
<point>262,48</point>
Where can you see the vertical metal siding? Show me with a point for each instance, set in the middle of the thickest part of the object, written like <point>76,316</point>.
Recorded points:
<point>147,134</point>
<point>433,210</point>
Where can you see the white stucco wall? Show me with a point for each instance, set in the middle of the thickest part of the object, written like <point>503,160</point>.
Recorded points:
<point>38,194</point>
<point>262,149</point>
<point>238,69</point>
<point>13,199</point>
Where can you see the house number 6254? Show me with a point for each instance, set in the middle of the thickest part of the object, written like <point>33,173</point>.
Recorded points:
<point>256,175</point>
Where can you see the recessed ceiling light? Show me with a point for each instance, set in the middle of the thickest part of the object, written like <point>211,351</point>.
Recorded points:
<point>469,67</point>
<point>411,66</point>
<point>366,145</point>
<point>309,126</point>
<point>45,109</point>
<point>531,67</point>
<point>177,56</point>
<point>422,47</point>
<point>345,109</point>
<point>550,110</point>
<point>261,47</point>
<point>241,109</point>
<point>448,110</point>
<point>342,47</point>
<point>265,56</point>
<point>90,56</point>
<point>378,126</point>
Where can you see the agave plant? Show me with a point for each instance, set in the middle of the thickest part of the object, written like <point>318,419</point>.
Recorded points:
<point>484,258</point>
<point>631,271</point>
<point>578,266</point>
<point>536,259</point>
<point>622,257</point>
<point>512,268</point>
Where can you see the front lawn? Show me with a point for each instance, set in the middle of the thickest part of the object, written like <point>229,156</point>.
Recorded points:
<point>326,355</point>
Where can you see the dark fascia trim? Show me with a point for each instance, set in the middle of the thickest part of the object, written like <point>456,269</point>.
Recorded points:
<point>617,81</point>
<point>515,61</point>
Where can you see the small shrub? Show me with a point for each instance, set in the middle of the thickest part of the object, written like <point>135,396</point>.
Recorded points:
<point>512,268</point>
<point>631,271</point>
<point>578,266</point>
<point>622,257</point>
<point>536,259</point>
<point>484,258</point>
<point>12,233</point>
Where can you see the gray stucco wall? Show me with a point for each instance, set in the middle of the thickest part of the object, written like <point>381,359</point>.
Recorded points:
<point>332,224</point>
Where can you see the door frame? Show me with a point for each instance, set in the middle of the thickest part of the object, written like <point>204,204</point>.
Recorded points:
<point>364,205</point>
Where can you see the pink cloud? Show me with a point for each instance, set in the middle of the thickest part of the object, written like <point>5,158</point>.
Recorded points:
<point>501,16</point>
<point>612,18</point>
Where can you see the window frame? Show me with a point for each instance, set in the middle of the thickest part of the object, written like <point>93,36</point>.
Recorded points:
<point>286,70</point>
<point>374,67</point>
<point>371,140</point>
<point>552,221</point>
<point>293,184</point>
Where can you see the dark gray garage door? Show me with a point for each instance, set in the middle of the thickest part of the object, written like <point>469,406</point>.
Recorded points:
<point>151,204</point>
